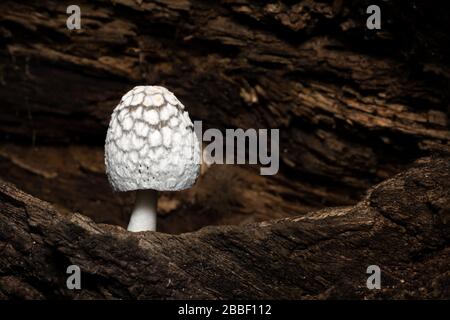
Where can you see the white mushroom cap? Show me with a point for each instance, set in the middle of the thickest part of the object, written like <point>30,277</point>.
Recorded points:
<point>144,150</point>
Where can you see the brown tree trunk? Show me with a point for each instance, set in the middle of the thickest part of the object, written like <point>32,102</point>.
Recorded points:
<point>402,226</point>
<point>354,107</point>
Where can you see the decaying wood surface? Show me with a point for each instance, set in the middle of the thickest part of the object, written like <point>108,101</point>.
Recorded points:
<point>402,225</point>
<point>353,106</point>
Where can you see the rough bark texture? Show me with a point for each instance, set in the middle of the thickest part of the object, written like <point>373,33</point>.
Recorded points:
<point>353,106</point>
<point>402,225</point>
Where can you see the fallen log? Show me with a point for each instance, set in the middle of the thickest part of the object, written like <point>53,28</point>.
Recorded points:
<point>354,106</point>
<point>402,226</point>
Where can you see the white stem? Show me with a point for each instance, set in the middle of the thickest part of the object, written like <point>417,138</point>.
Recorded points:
<point>143,217</point>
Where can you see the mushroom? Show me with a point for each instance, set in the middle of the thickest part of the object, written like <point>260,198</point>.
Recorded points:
<point>150,146</point>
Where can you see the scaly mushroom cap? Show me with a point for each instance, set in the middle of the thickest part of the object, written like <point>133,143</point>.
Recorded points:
<point>151,143</point>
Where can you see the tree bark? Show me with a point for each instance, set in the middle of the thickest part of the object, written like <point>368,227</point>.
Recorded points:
<point>354,106</point>
<point>402,226</point>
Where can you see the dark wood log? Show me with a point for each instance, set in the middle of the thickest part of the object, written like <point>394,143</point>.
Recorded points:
<point>402,225</point>
<point>353,106</point>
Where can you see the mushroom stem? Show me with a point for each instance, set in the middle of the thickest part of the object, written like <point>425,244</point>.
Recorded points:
<point>143,217</point>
